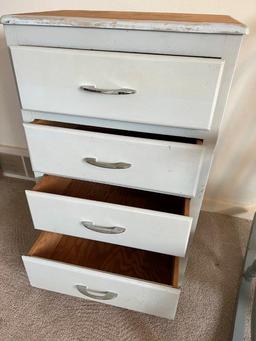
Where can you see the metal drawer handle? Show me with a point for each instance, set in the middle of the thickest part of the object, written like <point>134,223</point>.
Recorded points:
<point>93,88</point>
<point>96,294</point>
<point>112,165</point>
<point>103,229</point>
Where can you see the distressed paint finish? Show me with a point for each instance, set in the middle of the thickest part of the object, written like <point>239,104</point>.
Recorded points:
<point>169,22</point>
<point>160,34</point>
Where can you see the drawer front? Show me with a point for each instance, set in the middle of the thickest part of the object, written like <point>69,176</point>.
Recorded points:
<point>139,228</point>
<point>120,291</point>
<point>169,90</point>
<point>167,167</point>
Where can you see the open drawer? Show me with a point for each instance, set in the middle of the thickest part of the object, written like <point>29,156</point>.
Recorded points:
<point>164,164</point>
<point>123,216</point>
<point>125,277</point>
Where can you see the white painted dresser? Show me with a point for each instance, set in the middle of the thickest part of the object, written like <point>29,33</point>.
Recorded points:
<point>121,112</point>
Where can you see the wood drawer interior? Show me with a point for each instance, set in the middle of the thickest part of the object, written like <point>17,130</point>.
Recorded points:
<point>111,131</point>
<point>121,260</point>
<point>113,194</point>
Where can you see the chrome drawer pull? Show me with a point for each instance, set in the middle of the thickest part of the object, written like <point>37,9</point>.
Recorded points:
<point>122,91</point>
<point>112,165</point>
<point>103,229</point>
<point>96,294</point>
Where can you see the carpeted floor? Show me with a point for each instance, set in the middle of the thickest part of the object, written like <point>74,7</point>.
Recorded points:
<point>206,307</point>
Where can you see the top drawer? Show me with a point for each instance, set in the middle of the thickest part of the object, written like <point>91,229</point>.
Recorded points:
<point>168,90</point>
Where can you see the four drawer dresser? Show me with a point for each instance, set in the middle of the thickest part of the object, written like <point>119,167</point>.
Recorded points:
<point>121,112</point>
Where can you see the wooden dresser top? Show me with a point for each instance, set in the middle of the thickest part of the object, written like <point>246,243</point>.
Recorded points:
<point>155,21</point>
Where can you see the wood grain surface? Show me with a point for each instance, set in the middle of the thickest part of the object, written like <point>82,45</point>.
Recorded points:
<point>113,194</point>
<point>155,21</point>
<point>107,257</point>
<point>126,15</point>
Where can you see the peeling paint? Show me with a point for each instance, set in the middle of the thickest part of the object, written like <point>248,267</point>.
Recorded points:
<point>155,25</point>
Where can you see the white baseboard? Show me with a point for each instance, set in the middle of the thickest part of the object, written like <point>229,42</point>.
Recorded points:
<point>229,208</point>
<point>14,150</point>
<point>17,176</point>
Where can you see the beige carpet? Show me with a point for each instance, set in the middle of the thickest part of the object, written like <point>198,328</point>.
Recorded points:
<point>206,308</point>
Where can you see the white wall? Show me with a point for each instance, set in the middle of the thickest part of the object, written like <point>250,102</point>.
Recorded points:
<point>232,181</point>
